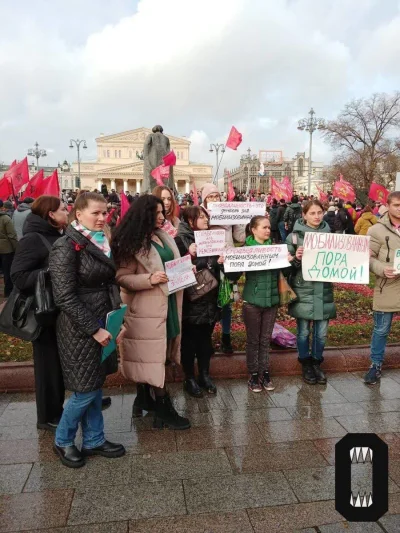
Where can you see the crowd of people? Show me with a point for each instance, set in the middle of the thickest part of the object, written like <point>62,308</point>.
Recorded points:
<point>99,260</point>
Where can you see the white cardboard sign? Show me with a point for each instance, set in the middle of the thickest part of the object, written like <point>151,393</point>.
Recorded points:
<point>180,274</point>
<point>336,257</point>
<point>250,258</point>
<point>209,242</point>
<point>397,261</point>
<point>231,213</point>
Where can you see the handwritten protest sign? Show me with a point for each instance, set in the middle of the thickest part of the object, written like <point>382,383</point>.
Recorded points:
<point>251,258</point>
<point>397,261</point>
<point>230,213</point>
<point>210,242</point>
<point>336,257</point>
<point>180,274</point>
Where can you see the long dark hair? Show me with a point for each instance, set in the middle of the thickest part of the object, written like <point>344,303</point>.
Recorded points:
<point>133,235</point>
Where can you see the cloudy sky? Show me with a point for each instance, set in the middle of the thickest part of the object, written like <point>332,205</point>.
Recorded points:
<point>80,68</point>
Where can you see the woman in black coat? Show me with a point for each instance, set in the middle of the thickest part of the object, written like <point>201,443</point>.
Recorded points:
<point>45,224</point>
<point>199,316</point>
<point>84,289</point>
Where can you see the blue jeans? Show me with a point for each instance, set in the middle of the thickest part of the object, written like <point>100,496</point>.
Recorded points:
<point>282,231</point>
<point>226,319</point>
<point>320,331</point>
<point>83,407</point>
<point>382,325</point>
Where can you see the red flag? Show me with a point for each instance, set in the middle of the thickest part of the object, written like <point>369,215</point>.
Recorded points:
<point>344,190</point>
<point>378,193</point>
<point>5,189</point>
<point>125,205</point>
<point>160,173</point>
<point>234,139</point>
<point>278,191</point>
<point>195,195</point>
<point>50,186</point>
<point>323,197</point>
<point>34,186</point>
<point>13,163</point>
<point>286,185</point>
<point>170,159</point>
<point>18,175</point>
<point>231,191</point>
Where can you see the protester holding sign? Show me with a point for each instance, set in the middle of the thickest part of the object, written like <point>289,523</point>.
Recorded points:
<point>314,305</point>
<point>260,307</point>
<point>153,321</point>
<point>198,316</point>
<point>237,233</point>
<point>384,244</point>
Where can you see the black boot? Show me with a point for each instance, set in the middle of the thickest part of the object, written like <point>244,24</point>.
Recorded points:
<point>206,383</point>
<point>191,387</point>
<point>226,345</point>
<point>319,374</point>
<point>308,371</point>
<point>70,456</point>
<point>166,415</point>
<point>143,401</point>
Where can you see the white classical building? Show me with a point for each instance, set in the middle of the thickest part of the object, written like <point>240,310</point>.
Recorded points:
<point>119,163</point>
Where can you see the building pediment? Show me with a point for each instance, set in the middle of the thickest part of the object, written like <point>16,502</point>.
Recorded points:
<point>138,134</point>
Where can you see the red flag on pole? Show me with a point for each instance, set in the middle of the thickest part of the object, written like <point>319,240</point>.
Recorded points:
<point>278,191</point>
<point>34,186</point>
<point>160,174</point>
<point>5,189</point>
<point>234,139</point>
<point>378,193</point>
<point>18,175</point>
<point>286,185</point>
<point>170,159</point>
<point>323,197</point>
<point>50,186</point>
<point>125,205</point>
<point>231,191</point>
<point>13,163</point>
<point>344,190</point>
<point>195,196</point>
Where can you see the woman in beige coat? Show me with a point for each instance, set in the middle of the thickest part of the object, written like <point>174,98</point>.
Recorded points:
<point>140,249</point>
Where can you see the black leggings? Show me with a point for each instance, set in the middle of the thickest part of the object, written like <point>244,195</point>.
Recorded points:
<point>196,342</point>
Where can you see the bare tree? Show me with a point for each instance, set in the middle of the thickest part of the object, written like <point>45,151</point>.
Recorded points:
<point>364,135</point>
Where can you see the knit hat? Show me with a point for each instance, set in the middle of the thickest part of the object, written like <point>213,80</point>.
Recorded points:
<point>209,188</point>
<point>331,208</point>
<point>8,205</point>
<point>383,210</point>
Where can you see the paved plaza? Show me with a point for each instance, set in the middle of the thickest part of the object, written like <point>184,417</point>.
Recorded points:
<point>260,463</point>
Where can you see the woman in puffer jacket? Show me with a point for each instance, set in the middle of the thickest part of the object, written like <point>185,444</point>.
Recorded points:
<point>199,316</point>
<point>366,221</point>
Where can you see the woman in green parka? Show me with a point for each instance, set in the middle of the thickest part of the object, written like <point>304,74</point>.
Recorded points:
<point>260,307</point>
<point>314,305</point>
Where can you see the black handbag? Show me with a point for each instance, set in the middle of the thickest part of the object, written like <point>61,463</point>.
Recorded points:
<point>17,317</point>
<point>45,308</point>
<point>206,282</point>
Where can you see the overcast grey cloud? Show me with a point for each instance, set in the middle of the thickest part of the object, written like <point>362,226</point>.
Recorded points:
<point>76,69</point>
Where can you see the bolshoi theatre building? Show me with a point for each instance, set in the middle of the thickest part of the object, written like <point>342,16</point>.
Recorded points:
<point>119,163</point>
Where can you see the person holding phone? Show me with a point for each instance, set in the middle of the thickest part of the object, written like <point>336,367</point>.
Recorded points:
<point>84,288</point>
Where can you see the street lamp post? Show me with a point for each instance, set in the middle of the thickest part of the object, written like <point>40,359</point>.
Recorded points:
<point>35,152</point>
<point>248,171</point>
<point>78,143</point>
<point>217,147</point>
<point>311,124</point>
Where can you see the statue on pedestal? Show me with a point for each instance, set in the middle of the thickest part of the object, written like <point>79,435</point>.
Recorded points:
<point>156,146</point>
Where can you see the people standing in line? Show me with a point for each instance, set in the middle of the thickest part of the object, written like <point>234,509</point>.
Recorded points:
<point>8,245</point>
<point>152,339</point>
<point>281,223</point>
<point>260,308</point>
<point>366,221</point>
<point>171,223</point>
<point>315,305</point>
<point>235,233</point>
<point>20,214</point>
<point>47,220</point>
<point>200,316</point>
<point>83,279</point>
<point>292,213</point>
<point>384,240</point>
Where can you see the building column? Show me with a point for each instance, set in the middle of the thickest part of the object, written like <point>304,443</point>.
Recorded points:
<point>126,188</point>
<point>187,187</point>
<point>138,185</point>
<point>99,184</point>
<point>113,184</point>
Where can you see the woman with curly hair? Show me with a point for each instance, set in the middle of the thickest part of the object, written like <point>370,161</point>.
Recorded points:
<point>140,249</point>
<point>171,220</point>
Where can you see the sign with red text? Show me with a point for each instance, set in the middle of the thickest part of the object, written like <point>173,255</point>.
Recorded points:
<point>231,213</point>
<point>251,258</point>
<point>180,274</point>
<point>335,257</point>
<point>209,242</point>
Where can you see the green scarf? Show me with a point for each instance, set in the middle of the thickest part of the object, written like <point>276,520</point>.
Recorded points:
<point>250,241</point>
